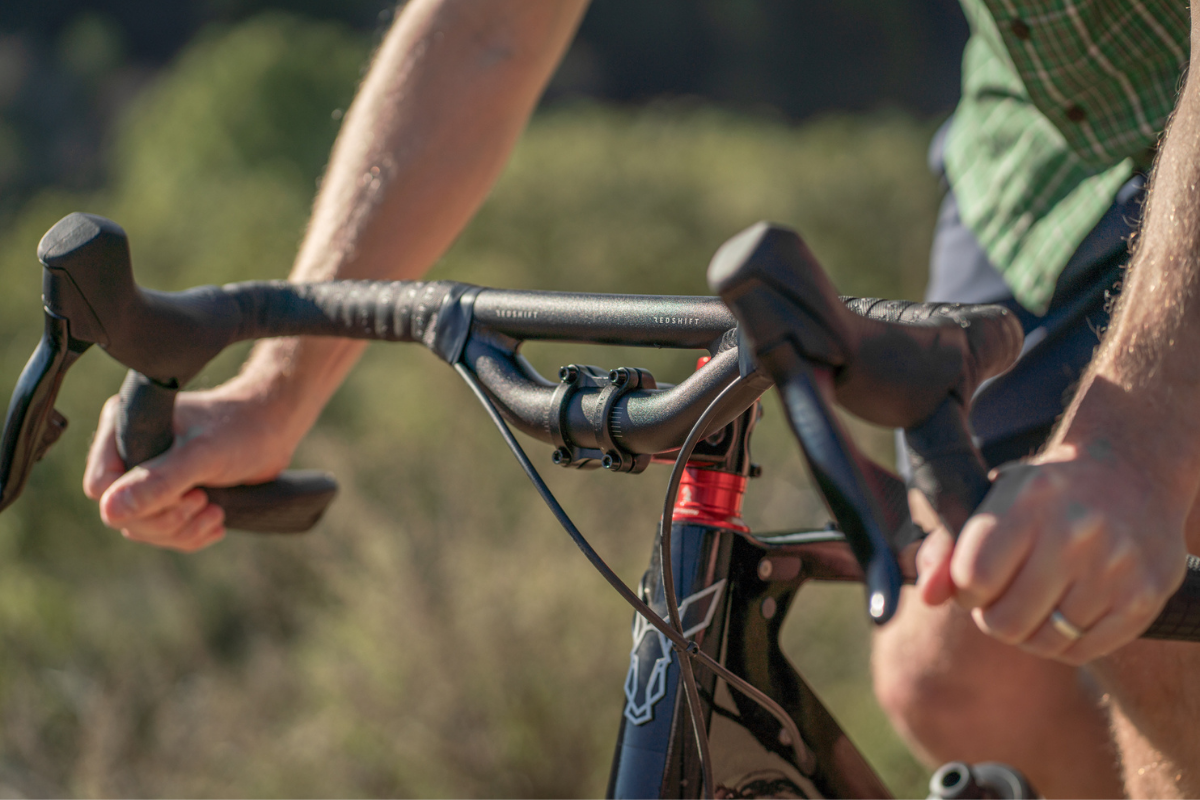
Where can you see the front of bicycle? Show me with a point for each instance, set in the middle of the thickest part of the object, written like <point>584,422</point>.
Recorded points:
<point>711,704</point>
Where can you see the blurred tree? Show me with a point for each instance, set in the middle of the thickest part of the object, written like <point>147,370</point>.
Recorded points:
<point>68,67</point>
<point>437,636</point>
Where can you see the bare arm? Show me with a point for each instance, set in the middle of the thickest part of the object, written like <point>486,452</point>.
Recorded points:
<point>1148,372</point>
<point>447,96</point>
<point>1101,531</point>
<point>432,126</point>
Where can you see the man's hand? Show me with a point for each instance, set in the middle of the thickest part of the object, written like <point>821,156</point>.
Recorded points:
<point>450,90</point>
<point>223,437</point>
<point>1082,531</point>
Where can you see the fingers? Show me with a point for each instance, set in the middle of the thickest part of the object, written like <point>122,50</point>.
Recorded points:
<point>1115,627</point>
<point>189,525</point>
<point>1103,623</point>
<point>1029,597</point>
<point>155,502</point>
<point>1083,609</point>
<point>1070,540</point>
<point>988,554</point>
<point>154,486</point>
<point>1012,571</point>
<point>986,559</point>
<point>1111,601</point>
<point>932,561</point>
<point>228,436</point>
<point>104,464</point>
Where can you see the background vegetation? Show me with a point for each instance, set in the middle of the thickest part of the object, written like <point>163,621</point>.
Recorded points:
<point>69,68</point>
<point>436,635</point>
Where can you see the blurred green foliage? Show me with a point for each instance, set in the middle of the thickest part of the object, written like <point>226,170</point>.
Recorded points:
<point>437,635</point>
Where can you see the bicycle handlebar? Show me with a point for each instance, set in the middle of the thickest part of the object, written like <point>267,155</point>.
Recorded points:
<point>166,338</point>
<point>890,362</point>
<point>893,363</point>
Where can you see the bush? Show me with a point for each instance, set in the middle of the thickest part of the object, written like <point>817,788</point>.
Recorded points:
<point>436,635</point>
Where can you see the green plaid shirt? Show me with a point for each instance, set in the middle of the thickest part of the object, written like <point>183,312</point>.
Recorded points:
<point>1062,101</point>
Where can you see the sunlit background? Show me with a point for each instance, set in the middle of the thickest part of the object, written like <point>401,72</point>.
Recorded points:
<point>436,635</point>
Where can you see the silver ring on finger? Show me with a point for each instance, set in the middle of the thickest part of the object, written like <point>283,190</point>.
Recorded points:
<point>1065,626</point>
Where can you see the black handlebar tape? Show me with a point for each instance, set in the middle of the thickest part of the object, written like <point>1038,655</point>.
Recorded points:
<point>947,466</point>
<point>292,503</point>
<point>145,419</point>
<point>170,336</point>
<point>993,333</point>
<point>908,356</point>
<point>893,372</point>
<point>1180,618</point>
<point>433,313</point>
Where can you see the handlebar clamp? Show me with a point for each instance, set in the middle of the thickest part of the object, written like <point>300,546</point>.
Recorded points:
<point>613,384</point>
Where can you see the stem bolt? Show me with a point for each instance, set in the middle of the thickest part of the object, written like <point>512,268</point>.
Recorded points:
<point>561,457</point>
<point>568,374</point>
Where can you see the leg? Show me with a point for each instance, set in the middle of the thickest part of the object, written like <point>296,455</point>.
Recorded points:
<point>1155,711</point>
<point>957,695</point>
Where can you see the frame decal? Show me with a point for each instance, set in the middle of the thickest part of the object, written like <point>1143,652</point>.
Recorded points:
<point>701,605</point>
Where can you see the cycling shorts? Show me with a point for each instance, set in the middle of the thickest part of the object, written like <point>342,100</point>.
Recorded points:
<point>1013,414</point>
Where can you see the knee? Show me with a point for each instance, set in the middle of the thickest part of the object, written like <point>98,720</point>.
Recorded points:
<point>955,694</point>
<point>924,703</point>
<point>932,676</point>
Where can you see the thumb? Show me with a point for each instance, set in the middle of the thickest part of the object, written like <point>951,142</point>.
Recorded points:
<point>934,584</point>
<point>154,485</point>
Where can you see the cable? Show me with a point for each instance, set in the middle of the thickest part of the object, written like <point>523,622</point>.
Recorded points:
<point>654,619</point>
<point>668,577</point>
<point>804,757</point>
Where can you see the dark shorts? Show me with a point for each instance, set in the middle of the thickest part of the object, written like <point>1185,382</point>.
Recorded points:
<point>1013,414</point>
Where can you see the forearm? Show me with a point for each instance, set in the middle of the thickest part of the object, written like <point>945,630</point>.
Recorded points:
<point>447,96</point>
<point>1143,389</point>
<point>450,91</point>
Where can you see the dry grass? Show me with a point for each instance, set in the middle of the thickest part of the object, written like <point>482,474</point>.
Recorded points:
<point>436,636</point>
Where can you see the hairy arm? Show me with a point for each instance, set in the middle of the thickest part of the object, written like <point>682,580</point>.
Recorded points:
<point>446,98</point>
<point>428,134</point>
<point>1100,531</point>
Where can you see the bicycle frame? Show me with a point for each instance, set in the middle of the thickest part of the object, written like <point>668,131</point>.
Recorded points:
<point>735,591</point>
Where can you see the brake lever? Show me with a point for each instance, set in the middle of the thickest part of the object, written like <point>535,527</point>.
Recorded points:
<point>90,297</point>
<point>840,479</point>
<point>790,318</point>
<point>32,424</point>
